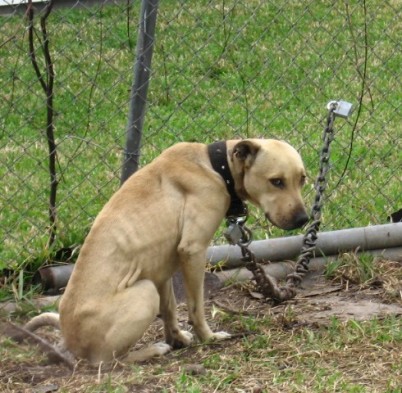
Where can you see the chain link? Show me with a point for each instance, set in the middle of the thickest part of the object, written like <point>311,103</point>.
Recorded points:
<point>266,284</point>
<point>310,237</point>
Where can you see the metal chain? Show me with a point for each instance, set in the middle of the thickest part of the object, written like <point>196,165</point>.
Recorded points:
<point>310,237</point>
<point>267,285</point>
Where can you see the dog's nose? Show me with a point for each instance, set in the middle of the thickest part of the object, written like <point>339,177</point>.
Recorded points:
<point>301,218</point>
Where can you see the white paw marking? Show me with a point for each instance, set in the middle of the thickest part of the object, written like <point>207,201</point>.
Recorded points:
<point>162,348</point>
<point>221,336</point>
<point>186,337</point>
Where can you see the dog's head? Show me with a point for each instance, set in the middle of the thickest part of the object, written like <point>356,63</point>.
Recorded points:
<point>270,174</point>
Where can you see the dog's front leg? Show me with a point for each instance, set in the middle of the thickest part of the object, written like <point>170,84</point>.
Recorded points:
<point>193,265</point>
<point>175,337</point>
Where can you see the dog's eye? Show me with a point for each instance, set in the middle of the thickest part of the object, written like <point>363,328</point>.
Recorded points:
<point>279,183</point>
<point>303,180</point>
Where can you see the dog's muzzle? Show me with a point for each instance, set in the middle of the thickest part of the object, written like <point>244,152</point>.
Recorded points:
<point>297,221</point>
<point>300,220</point>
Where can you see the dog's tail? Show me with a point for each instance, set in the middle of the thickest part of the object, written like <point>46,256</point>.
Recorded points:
<point>54,352</point>
<point>44,319</point>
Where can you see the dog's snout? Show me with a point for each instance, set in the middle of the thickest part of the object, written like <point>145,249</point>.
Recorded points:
<point>297,220</point>
<point>300,219</point>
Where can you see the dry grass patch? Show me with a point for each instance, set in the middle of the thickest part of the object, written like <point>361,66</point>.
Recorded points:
<point>275,349</point>
<point>368,272</point>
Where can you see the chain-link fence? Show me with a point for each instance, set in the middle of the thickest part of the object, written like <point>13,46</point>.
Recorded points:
<point>221,69</point>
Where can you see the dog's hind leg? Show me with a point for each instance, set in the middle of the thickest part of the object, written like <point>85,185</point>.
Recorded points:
<point>141,355</point>
<point>123,320</point>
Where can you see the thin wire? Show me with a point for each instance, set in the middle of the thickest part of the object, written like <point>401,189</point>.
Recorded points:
<point>362,90</point>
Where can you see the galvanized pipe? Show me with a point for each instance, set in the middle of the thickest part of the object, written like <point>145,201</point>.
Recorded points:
<point>383,240</point>
<point>53,279</point>
<point>280,270</point>
<point>378,237</point>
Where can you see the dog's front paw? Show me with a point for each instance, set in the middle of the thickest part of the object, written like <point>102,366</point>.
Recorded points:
<point>181,340</point>
<point>186,337</point>
<point>220,336</point>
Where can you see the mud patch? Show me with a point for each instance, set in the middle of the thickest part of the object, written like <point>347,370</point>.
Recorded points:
<point>319,301</point>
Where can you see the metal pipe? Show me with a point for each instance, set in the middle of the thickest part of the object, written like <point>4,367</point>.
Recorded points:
<point>384,240</point>
<point>280,270</point>
<point>378,237</point>
<point>53,279</point>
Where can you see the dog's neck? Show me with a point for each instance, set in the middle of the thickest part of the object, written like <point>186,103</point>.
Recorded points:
<point>218,156</point>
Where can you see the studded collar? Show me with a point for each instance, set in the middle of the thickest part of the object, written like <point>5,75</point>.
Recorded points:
<point>217,152</point>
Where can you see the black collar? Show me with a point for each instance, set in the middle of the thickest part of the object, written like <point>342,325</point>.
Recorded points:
<point>218,156</point>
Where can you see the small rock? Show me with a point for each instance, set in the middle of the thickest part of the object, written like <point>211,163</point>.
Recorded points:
<point>257,389</point>
<point>195,369</point>
<point>46,388</point>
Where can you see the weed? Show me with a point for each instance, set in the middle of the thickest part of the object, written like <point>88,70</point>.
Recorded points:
<point>366,270</point>
<point>350,267</point>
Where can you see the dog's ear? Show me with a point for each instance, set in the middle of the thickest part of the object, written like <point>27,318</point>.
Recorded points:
<point>245,152</point>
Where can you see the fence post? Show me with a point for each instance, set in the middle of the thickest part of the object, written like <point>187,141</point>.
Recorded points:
<point>138,97</point>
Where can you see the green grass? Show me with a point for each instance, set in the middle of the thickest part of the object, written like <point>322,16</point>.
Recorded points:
<point>352,356</point>
<point>220,70</point>
<point>310,360</point>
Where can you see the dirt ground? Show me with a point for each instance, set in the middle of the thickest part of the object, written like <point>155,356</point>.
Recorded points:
<point>24,368</point>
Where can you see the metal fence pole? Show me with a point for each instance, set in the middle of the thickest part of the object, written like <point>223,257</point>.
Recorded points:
<point>138,98</point>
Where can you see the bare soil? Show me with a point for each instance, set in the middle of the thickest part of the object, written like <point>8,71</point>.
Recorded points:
<point>24,368</point>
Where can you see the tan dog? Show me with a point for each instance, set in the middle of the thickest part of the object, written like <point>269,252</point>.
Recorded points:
<point>161,220</point>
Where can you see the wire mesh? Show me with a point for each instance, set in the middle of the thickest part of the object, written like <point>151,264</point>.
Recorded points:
<point>221,69</point>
